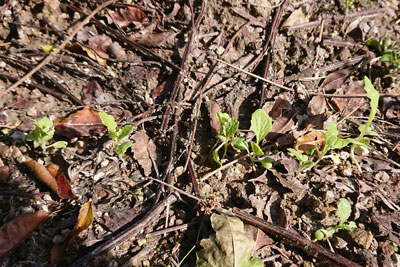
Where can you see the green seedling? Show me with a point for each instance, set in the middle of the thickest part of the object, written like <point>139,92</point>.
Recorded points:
<point>43,132</point>
<point>365,129</point>
<point>387,50</point>
<point>116,136</point>
<point>344,212</point>
<point>261,124</point>
<point>349,5</point>
<point>333,141</point>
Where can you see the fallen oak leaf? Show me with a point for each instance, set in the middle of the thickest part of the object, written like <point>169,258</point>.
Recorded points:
<point>64,189</point>
<point>85,219</point>
<point>125,16</point>
<point>16,231</point>
<point>52,177</point>
<point>144,151</point>
<point>309,140</point>
<point>85,122</point>
<point>98,55</point>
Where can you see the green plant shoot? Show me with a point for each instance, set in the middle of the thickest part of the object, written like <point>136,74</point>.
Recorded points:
<point>43,132</point>
<point>361,140</point>
<point>344,212</point>
<point>116,136</point>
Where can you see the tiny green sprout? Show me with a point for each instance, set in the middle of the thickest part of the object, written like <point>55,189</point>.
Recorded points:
<point>388,51</point>
<point>344,212</point>
<point>261,124</point>
<point>43,132</point>
<point>116,136</point>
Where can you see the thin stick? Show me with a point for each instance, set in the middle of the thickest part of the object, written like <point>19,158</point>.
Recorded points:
<point>62,46</point>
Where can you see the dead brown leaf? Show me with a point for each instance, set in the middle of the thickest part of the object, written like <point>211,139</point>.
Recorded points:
<point>214,122</point>
<point>97,55</point>
<point>154,39</point>
<point>125,16</point>
<point>16,231</point>
<point>274,211</point>
<point>64,189</point>
<point>317,105</point>
<point>309,140</point>
<point>85,122</point>
<point>336,79</point>
<point>297,17</point>
<point>4,173</point>
<point>42,174</point>
<point>85,219</point>
<point>144,151</point>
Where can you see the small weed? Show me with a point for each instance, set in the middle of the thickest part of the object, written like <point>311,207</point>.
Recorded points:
<point>116,136</point>
<point>387,50</point>
<point>261,124</point>
<point>43,132</point>
<point>344,212</point>
<point>332,139</point>
<point>349,5</point>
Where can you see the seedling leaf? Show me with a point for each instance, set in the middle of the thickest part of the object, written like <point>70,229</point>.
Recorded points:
<point>108,121</point>
<point>216,155</point>
<point>222,117</point>
<point>240,143</point>
<point>124,132</point>
<point>256,149</point>
<point>331,134</point>
<point>267,163</point>
<point>344,210</point>
<point>350,226</point>
<point>261,124</point>
<point>300,157</point>
<point>230,127</point>
<point>121,149</point>
<point>368,131</point>
<point>59,144</point>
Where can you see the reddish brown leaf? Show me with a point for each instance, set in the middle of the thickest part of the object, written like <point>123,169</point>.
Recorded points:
<point>158,91</point>
<point>4,173</point>
<point>90,91</point>
<point>125,16</point>
<point>42,174</point>
<point>336,79</point>
<point>215,124</point>
<point>85,219</point>
<point>64,189</point>
<point>154,39</point>
<point>116,51</point>
<point>311,139</point>
<point>100,42</point>
<point>14,232</point>
<point>144,151</point>
<point>85,122</point>
<point>347,105</point>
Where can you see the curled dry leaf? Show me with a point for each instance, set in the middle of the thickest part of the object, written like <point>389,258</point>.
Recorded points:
<point>317,105</point>
<point>215,124</point>
<point>4,173</point>
<point>97,55</point>
<point>336,79</point>
<point>85,219</point>
<point>14,232</point>
<point>144,151</point>
<point>85,122</point>
<point>52,177</point>
<point>311,139</point>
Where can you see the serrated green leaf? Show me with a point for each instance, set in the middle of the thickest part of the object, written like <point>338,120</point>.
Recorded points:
<point>124,132</point>
<point>46,136</point>
<point>230,127</point>
<point>222,117</point>
<point>267,163</point>
<point>121,149</point>
<point>256,149</point>
<point>44,124</point>
<point>108,121</point>
<point>300,157</point>
<point>344,210</point>
<point>261,124</point>
<point>240,143</point>
<point>59,144</point>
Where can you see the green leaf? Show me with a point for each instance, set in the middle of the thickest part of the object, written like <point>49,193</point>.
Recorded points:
<point>267,163</point>
<point>46,136</point>
<point>230,127</point>
<point>59,144</point>
<point>121,149</point>
<point>331,134</point>
<point>33,136</point>
<point>222,117</point>
<point>256,149</point>
<point>311,150</point>
<point>373,95</point>
<point>374,43</point>
<point>229,247</point>
<point>216,155</point>
<point>108,121</point>
<point>45,124</point>
<point>261,124</point>
<point>300,157</point>
<point>319,235</point>
<point>344,210</point>
<point>368,131</point>
<point>349,226</point>
<point>124,132</point>
<point>335,158</point>
<point>240,143</point>
<point>386,58</point>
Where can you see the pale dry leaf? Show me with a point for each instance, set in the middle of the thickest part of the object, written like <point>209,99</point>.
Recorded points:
<point>309,140</point>
<point>144,150</point>
<point>297,17</point>
<point>317,105</point>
